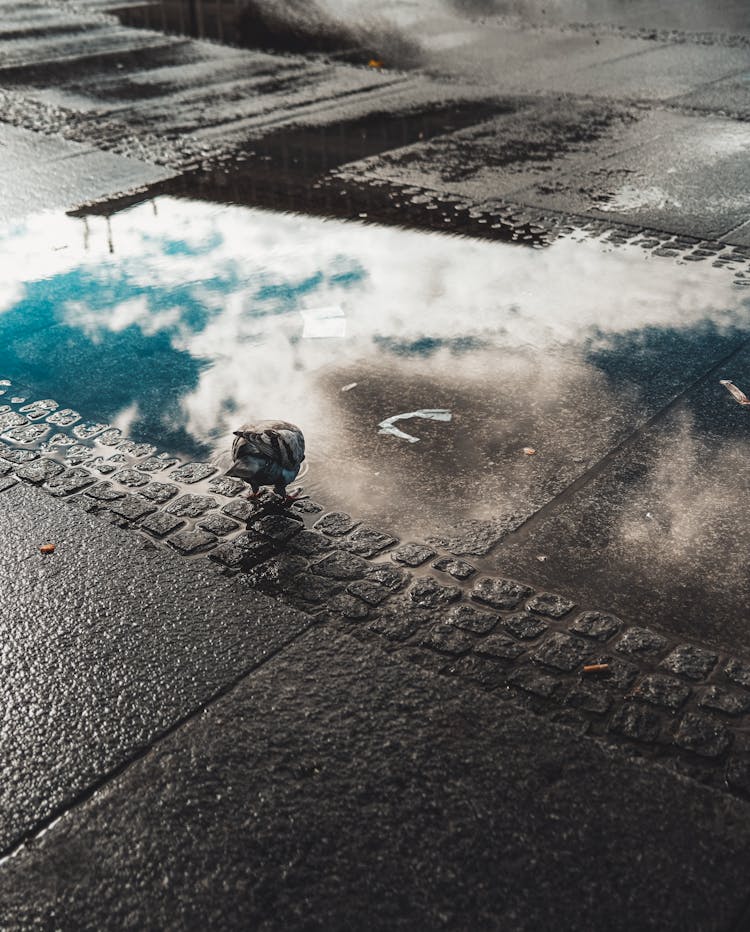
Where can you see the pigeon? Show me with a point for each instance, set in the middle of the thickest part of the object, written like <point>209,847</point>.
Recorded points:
<point>268,453</point>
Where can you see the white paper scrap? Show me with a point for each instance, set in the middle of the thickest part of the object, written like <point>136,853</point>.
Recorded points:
<point>430,414</point>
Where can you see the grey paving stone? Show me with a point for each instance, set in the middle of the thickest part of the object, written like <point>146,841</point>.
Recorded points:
<point>447,639</point>
<point>524,626</point>
<point>500,593</point>
<point>413,554</point>
<point>553,606</point>
<point>702,735</point>
<point>70,481</point>
<point>336,524</point>
<point>156,463</point>
<point>159,492</point>
<point>388,576</point>
<point>499,646</point>
<point>160,523</point>
<point>132,448</point>
<point>562,652</point>
<point>192,472</point>
<point>228,554</point>
<point>131,477</point>
<point>695,663</point>
<point>227,486</point>
<point>458,569</point>
<point>589,698</point>
<point>87,431</point>
<point>597,625</point>
<point>64,417</point>
<point>191,506</point>
<point>481,670</point>
<point>641,641</point>
<point>188,542</point>
<point>36,409</point>
<point>428,593</point>
<point>469,618</point>
<point>104,492</point>
<point>306,507</point>
<point>368,542</point>
<point>11,419</point>
<point>5,468</point>
<point>348,606</point>
<point>241,509</point>
<point>277,573</point>
<point>110,437</point>
<point>340,565</point>
<point>400,620</point>
<point>738,672</point>
<point>17,456</point>
<point>277,527</point>
<point>730,702</point>
<point>61,440</point>
<point>309,543</point>
<point>40,470</point>
<point>6,482</point>
<point>621,673</point>
<point>77,454</point>
<point>28,434</point>
<point>217,524</point>
<point>532,680</point>
<point>661,690</point>
<point>633,720</point>
<point>131,507</point>
<point>370,592</point>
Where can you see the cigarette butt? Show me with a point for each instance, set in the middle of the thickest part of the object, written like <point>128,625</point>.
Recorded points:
<point>529,451</point>
<point>596,668</point>
<point>47,548</point>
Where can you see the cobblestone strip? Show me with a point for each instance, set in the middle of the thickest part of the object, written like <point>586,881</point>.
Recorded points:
<point>684,704</point>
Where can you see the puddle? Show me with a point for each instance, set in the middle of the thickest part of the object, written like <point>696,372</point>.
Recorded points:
<point>177,319</point>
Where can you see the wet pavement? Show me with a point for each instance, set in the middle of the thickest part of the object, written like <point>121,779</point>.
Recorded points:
<point>255,233</point>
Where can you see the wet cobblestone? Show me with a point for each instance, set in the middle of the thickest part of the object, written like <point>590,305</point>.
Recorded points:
<point>641,641</point>
<point>458,569</point>
<point>278,528</point>
<point>226,486</point>
<point>335,524</point>
<point>596,625</point>
<point>661,690</point>
<point>499,646</point>
<point>131,507</point>
<point>160,523</point>
<point>469,618</point>
<point>525,626</point>
<point>636,721</point>
<point>729,702</point>
<point>192,472</point>
<point>189,542</point>
<point>428,593</point>
<point>553,606</point>
<point>562,652</point>
<point>413,554</point>
<point>190,506</point>
<point>500,593</point>
<point>340,565</point>
<point>370,592</point>
<point>69,481</point>
<point>367,542</point>
<point>702,735</point>
<point>447,640</point>
<point>159,492</point>
<point>738,672</point>
<point>131,478</point>
<point>689,661</point>
<point>39,471</point>
<point>217,524</point>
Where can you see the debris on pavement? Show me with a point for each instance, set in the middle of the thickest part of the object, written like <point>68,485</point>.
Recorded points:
<point>47,548</point>
<point>432,414</point>
<point>529,451</point>
<point>349,387</point>
<point>596,669</point>
<point>374,63</point>
<point>739,396</point>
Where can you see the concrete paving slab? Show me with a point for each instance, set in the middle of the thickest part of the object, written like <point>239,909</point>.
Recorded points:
<point>730,96</point>
<point>337,789</point>
<point>106,646</point>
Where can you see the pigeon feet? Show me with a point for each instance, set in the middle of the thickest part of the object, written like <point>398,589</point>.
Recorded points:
<point>251,496</point>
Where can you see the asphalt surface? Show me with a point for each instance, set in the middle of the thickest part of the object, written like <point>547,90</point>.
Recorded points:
<point>200,753</point>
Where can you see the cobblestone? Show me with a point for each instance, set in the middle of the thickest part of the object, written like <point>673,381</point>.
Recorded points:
<point>388,576</point>
<point>191,506</point>
<point>40,470</point>
<point>131,507</point>
<point>104,492</point>
<point>240,508</point>
<point>192,472</point>
<point>336,524</point>
<point>641,641</point>
<point>428,593</point>
<point>6,482</point>
<point>17,456</point>
<point>469,618</point>
<point>458,569</point>
<point>160,523</point>
<point>689,661</point>
<point>368,542</point>
<point>217,524</point>
<point>621,673</point>
<point>701,735</point>
<point>64,417</point>
<point>159,492</point>
<point>28,434</point>
<point>480,670</point>
<point>226,486</point>
<point>68,482</point>
<point>412,554</point>
<point>87,431</point>
<point>590,699</point>
<point>524,626</point>
<point>499,646</point>
<point>532,680</point>
<point>131,477</point>
<point>399,620</point>
<point>661,690</point>
<point>562,652</point>
<point>340,565</point>
<point>36,409</point>
<point>553,606</point>
<point>636,721</point>
<point>155,463</point>
<point>189,542</point>
<point>310,543</point>
<point>596,625</point>
<point>500,593</point>
<point>447,640</point>
<point>132,448</point>
<point>349,607</point>
<point>722,700</point>
<point>315,589</point>
<point>228,554</point>
<point>738,672</point>
<point>278,528</point>
<point>371,592</point>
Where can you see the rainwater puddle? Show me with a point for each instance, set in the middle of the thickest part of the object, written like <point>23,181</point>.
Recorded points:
<point>175,320</point>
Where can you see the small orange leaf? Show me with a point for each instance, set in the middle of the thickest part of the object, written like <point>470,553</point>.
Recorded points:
<point>375,63</point>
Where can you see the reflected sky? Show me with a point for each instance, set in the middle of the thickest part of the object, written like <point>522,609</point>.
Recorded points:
<point>175,320</point>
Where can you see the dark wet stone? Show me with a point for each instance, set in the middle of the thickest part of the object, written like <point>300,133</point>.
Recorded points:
<point>226,486</point>
<point>367,542</point>
<point>28,434</point>
<point>69,482</point>
<point>447,640</point>
<point>312,588</point>
<point>191,506</point>
<point>412,554</point>
<point>64,417</point>
<point>160,523</point>
<point>726,701</point>
<point>525,626</point>
<point>621,673</point>
<point>474,536</point>
<point>562,652</point>
<point>500,593</point>
<point>228,554</point>
<point>469,618</point>
<point>277,527</point>
<point>240,508</point>
<point>39,471</point>
<point>188,542</point>
<point>553,606</point>
<point>400,621</point>
<point>131,478</point>
<point>388,576</point>
<point>306,507</point>
<point>159,492</point>
<point>17,456</point>
<point>131,448</point>
<point>596,625</point>
<point>641,641</point>
<point>106,469</point>
<point>479,670</point>
<point>695,663</point>
<point>87,431</point>
<point>371,592</point>
<point>428,593</point>
<point>499,646</point>
<point>738,672</point>
<point>77,454</point>
<point>337,523</point>
<point>636,721</point>
<point>532,680</point>
<point>458,569</point>
<point>155,463</point>
<point>663,691</point>
<point>5,468</point>
<point>702,735</point>
<point>104,492</point>
<point>6,482</point>
<point>340,565</point>
<point>255,549</point>
<point>278,573</point>
<point>310,543</point>
<point>349,607</point>
<point>192,472</point>
<point>131,507</point>
<point>217,524</point>
<point>589,698</point>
